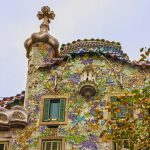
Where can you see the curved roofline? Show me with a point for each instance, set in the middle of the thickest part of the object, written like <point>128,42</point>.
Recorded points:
<point>103,42</point>
<point>109,49</point>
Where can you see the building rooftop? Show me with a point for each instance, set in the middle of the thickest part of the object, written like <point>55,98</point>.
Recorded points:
<point>8,102</point>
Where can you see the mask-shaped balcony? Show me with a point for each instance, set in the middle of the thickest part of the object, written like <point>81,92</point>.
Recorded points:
<point>4,121</point>
<point>88,85</point>
<point>17,117</point>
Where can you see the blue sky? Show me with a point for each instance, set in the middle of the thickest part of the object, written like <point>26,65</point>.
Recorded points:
<point>126,21</point>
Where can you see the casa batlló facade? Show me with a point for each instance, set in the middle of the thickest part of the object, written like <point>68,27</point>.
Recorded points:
<point>71,94</point>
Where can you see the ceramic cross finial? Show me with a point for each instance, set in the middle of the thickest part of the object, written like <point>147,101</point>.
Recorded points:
<point>47,15</point>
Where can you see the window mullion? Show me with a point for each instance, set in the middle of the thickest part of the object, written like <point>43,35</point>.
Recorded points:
<point>5,146</point>
<point>59,111</point>
<point>51,145</point>
<point>46,109</point>
<point>45,145</point>
<point>62,109</point>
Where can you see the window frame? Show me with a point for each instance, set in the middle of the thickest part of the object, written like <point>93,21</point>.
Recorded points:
<point>122,143</point>
<point>54,97</point>
<point>8,140</point>
<point>121,95</point>
<point>59,138</point>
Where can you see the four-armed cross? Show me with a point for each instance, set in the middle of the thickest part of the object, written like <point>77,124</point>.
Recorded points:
<point>47,15</point>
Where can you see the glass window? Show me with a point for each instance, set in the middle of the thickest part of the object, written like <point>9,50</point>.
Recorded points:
<point>125,144</point>
<point>54,110</point>
<point>114,146</point>
<point>51,145</point>
<point>3,145</point>
<point>122,144</point>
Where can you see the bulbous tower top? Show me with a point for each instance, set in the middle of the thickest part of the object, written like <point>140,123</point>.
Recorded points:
<point>43,36</point>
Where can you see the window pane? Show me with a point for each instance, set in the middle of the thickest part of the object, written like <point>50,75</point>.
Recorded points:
<point>47,145</point>
<point>46,109</point>
<point>114,146</point>
<point>51,145</point>
<point>113,100</point>
<point>56,145</point>
<point>123,111</point>
<point>3,145</point>
<point>125,144</point>
<point>62,109</point>
<point>54,109</point>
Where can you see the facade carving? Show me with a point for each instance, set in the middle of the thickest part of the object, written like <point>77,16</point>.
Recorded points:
<point>17,116</point>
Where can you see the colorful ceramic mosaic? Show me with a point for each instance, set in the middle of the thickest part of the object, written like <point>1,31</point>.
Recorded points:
<point>87,119</point>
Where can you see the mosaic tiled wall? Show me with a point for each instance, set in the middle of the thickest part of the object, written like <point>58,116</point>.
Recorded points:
<point>86,118</point>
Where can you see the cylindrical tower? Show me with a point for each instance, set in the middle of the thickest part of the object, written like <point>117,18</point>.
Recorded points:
<point>42,50</point>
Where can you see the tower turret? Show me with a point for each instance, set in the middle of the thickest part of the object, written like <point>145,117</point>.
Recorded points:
<point>43,36</point>
<point>41,50</point>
